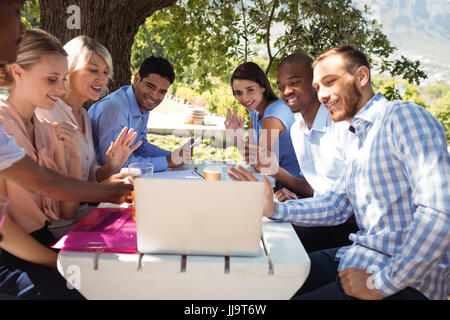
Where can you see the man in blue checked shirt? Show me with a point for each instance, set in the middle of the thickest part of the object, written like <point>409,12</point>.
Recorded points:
<point>130,107</point>
<point>397,183</point>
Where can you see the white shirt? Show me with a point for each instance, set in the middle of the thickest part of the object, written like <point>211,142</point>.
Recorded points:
<point>10,152</point>
<point>321,151</point>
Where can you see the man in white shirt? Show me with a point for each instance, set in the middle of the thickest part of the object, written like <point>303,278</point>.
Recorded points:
<point>320,144</point>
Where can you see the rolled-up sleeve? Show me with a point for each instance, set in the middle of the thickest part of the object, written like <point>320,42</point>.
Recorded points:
<point>10,152</point>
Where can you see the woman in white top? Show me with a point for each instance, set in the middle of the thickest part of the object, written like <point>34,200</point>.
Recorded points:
<point>90,68</point>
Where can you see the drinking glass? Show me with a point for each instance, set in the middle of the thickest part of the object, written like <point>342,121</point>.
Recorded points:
<point>141,169</point>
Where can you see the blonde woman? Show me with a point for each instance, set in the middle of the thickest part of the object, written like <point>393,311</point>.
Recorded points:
<point>36,78</point>
<point>90,68</point>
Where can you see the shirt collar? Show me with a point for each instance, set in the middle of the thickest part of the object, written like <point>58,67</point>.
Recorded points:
<point>371,111</point>
<point>320,121</point>
<point>366,117</point>
<point>134,107</point>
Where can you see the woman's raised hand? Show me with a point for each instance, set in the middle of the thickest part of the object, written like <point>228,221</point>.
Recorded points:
<point>233,121</point>
<point>121,149</point>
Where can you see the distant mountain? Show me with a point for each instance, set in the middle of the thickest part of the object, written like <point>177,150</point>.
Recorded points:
<point>420,29</point>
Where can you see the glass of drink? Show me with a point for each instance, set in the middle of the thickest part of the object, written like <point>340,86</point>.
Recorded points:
<point>141,169</point>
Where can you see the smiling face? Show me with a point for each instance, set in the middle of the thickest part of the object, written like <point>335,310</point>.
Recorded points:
<point>150,91</point>
<point>248,93</point>
<point>11,30</point>
<point>91,79</point>
<point>337,89</point>
<point>295,85</point>
<point>43,82</point>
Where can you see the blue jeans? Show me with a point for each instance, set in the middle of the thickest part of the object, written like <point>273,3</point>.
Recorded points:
<point>321,238</point>
<point>323,282</point>
<point>20,279</point>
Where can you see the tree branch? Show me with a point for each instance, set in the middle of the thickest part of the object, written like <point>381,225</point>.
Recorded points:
<point>269,22</point>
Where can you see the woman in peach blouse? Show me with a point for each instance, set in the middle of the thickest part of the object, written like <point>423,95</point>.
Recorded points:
<point>90,68</point>
<point>37,78</point>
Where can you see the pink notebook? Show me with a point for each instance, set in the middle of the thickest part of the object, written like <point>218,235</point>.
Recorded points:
<point>102,229</point>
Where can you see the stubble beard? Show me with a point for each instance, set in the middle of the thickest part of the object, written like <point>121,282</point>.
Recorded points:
<point>350,101</point>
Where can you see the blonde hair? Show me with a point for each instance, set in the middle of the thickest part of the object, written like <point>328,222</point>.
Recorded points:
<point>80,50</point>
<point>35,44</point>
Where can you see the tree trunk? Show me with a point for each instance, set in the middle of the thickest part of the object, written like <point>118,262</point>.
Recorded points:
<point>114,23</point>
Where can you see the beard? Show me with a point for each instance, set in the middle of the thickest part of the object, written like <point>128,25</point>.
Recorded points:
<point>350,102</point>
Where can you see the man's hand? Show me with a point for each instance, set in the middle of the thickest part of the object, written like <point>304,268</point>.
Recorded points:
<point>181,156</point>
<point>120,187</point>
<point>284,195</point>
<point>358,283</point>
<point>261,159</point>
<point>241,174</point>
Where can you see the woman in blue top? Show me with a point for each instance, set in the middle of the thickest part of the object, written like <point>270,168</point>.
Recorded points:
<point>270,117</point>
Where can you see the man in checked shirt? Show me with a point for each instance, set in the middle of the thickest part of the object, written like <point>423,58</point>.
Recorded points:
<point>397,183</point>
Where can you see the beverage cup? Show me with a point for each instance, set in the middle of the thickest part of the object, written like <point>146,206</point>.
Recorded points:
<point>212,173</point>
<point>141,169</point>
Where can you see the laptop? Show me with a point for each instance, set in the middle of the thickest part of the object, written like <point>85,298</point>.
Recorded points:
<point>198,217</point>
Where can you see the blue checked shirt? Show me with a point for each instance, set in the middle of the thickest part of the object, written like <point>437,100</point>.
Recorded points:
<point>397,183</point>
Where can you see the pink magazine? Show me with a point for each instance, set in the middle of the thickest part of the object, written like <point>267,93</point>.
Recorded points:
<point>102,229</point>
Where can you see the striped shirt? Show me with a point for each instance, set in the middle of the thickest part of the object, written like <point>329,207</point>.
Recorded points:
<point>398,185</point>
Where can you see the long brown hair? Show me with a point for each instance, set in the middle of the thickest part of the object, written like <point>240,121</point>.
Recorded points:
<point>251,71</point>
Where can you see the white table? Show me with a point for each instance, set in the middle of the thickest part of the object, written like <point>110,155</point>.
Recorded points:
<point>277,273</point>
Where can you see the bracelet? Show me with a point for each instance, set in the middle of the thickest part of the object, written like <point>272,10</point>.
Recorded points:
<point>2,219</point>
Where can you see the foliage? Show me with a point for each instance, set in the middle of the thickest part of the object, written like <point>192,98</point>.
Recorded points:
<point>221,98</point>
<point>194,38</point>
<point>186,92</point>
<point>441,110</point>
<point>31,14</point>
<point>389,88</point>
<point>206,150</point>
<point>435,97</point>
<point>209,38</point>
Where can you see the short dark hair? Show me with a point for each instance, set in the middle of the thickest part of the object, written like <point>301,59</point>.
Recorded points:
<point>354,57</point>
<point>251,71</point>
<point>159,66</point>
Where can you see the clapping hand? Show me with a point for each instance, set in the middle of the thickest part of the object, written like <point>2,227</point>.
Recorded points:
<point>121,149</point>
<point>235,126</point>
<point>261,159</point>
<point>233,121</point>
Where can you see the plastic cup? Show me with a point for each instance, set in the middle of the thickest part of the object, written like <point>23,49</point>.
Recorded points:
<point>141,169</point>
<point>212,173</point>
